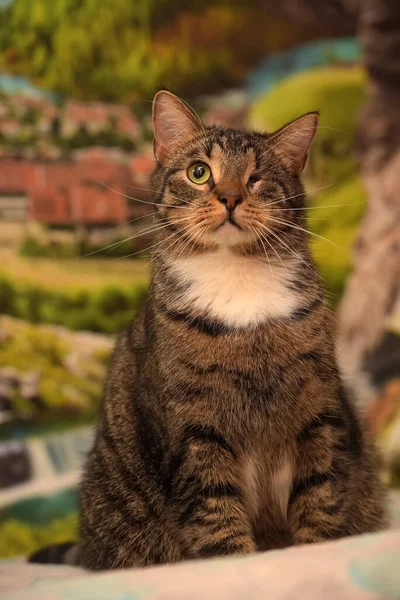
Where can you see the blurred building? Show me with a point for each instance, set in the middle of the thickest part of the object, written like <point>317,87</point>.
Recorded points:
<point>93,190</point>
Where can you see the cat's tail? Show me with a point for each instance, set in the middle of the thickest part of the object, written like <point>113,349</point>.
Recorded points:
<point>59,554</point>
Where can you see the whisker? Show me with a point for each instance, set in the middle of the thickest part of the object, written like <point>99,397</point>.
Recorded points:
<point>148,216</point>
<point>258,236</point>
<point>301,194</point>
<point>275,251</point>
<point>308,232</point>
<point>172,194</point>
<point>138,199</point>
<point>307,208</point>
<point>280,241</point>
<point>180,239</point>
<point>335,129</point>
<point>193,240</point>
<point>150,230</point>
<point>145,249</point>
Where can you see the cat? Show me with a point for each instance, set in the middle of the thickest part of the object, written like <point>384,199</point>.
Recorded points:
<point>225,427</point>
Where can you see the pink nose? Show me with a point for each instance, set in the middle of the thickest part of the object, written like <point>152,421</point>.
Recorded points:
<point>231,201</point>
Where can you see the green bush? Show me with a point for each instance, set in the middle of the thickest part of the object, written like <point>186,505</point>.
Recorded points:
<point>8,298</point>
<point>69,395</point>
<point>107,310</point>
<point>18,538</point>
<point>30,246</point>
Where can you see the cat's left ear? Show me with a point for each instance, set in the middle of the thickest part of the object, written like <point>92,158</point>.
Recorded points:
<point>174,124</point>
<point>292,142</point>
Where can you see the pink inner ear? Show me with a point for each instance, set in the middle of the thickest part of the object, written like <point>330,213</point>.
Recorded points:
<point>173,122</point>
<point>293,142</point>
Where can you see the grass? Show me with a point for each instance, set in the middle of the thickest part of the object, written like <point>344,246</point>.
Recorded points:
<point>82,274</point>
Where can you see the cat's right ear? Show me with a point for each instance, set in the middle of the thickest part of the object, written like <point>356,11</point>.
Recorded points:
<point>174,124</point>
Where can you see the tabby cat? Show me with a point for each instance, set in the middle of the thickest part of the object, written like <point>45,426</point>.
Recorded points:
<point>225,426</point>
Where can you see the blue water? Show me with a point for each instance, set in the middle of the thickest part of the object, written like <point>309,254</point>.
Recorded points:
<point>17,84</point>
<point>301,58</point>
<point>43,508</point>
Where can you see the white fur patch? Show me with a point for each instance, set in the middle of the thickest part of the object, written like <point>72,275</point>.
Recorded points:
<point>237,290</point>
<point>281,484</point>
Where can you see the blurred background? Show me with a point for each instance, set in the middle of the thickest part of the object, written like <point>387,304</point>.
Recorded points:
<point>76,83</point>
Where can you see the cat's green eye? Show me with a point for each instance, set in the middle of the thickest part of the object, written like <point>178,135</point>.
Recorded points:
<point>199,173</point>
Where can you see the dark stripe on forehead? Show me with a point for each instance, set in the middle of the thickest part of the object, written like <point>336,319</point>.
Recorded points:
<point>220,144</point>
<point>160,195</point>
<point>208,148</point>
<point>248,145</point>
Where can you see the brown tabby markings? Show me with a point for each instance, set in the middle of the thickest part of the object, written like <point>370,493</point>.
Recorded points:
<point>225,427</point>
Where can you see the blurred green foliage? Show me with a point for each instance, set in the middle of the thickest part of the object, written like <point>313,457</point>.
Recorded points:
<point>105,310</point>
<point>119,50</point>
<point>336,196</point>
<point>32,246</point>
<point>63,393</point>
<point>18,538</point>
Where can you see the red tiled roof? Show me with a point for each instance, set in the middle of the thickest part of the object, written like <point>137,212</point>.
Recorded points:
<point>98,112</point>
<point>143,163</point>
<point>67,192</point>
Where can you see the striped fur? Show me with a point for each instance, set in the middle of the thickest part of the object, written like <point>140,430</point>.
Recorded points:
<point>225,428</point>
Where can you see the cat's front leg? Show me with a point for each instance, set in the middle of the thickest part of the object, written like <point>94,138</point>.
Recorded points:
<point>316,510</point>
<point>208,496</point>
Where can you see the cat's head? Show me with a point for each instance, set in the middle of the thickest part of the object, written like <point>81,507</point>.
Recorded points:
<point>227,188</point>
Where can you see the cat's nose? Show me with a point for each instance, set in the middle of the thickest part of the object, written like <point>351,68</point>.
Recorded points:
<point>230,200</point>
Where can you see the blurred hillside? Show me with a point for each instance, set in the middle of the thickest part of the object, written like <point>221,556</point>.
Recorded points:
<point>336,196</point>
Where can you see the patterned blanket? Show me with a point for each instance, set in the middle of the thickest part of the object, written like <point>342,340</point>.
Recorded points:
<point>359,568</point>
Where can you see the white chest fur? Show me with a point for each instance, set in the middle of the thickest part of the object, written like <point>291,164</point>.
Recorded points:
<point>237,290</point>
<point>263,487</point>
<point>281,485</point>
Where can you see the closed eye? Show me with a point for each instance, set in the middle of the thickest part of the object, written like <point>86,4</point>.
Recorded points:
<point>253,179</point>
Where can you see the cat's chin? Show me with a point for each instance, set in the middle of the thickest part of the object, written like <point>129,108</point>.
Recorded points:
<point>228,234</point>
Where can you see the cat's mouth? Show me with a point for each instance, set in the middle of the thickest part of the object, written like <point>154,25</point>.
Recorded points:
<point>229,221</point>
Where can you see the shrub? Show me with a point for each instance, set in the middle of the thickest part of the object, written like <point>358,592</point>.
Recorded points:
<point>108,310</point>
<point>115,248</point>
<point>8,298</point>
<point>20,538</point>
<point>30,246</point>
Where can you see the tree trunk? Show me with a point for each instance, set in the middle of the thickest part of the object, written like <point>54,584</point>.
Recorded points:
<point>373,289</point>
